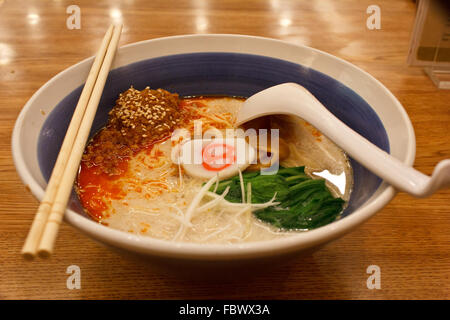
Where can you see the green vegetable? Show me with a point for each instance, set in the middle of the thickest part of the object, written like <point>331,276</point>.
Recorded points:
<point>305,203</point>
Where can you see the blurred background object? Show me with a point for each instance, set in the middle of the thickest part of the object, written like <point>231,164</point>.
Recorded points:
<point>430,41</point>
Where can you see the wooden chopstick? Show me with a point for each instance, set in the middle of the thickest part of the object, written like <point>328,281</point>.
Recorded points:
<point>81,120</point>
<point>47,241</point>
<point>29,249</point>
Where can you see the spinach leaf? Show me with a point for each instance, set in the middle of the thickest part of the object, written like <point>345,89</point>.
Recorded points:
<point>305,203</point>
<point>263,188</point>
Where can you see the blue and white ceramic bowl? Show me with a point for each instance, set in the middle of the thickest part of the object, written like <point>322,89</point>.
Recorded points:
<point>221,65</point>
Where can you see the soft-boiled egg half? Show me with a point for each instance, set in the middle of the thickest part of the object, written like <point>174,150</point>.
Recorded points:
<point>205,158</point>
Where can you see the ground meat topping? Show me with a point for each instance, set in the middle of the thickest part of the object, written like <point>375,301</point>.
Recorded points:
<point>146,113</point>
<point>139,118</point>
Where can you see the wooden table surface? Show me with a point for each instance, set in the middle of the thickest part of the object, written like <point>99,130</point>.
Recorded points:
<point>409,239</point>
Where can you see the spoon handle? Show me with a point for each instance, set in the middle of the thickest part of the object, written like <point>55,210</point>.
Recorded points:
<point>387,167</point>
<point>290,98</point>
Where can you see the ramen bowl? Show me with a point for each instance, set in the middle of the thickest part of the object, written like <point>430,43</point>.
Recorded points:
<point>232,65</point>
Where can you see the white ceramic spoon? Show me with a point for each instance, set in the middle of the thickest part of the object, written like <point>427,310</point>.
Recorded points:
<point>293,99</point>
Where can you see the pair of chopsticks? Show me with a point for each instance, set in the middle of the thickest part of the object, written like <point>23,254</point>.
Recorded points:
<point>43,232</point>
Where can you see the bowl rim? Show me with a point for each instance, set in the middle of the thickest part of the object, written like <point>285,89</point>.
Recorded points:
<point>163,248</point>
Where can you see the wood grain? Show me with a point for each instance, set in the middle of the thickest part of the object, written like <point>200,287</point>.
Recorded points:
<point>409,239</point>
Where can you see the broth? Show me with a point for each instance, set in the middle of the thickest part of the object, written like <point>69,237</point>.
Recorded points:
<point>148,194</point>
